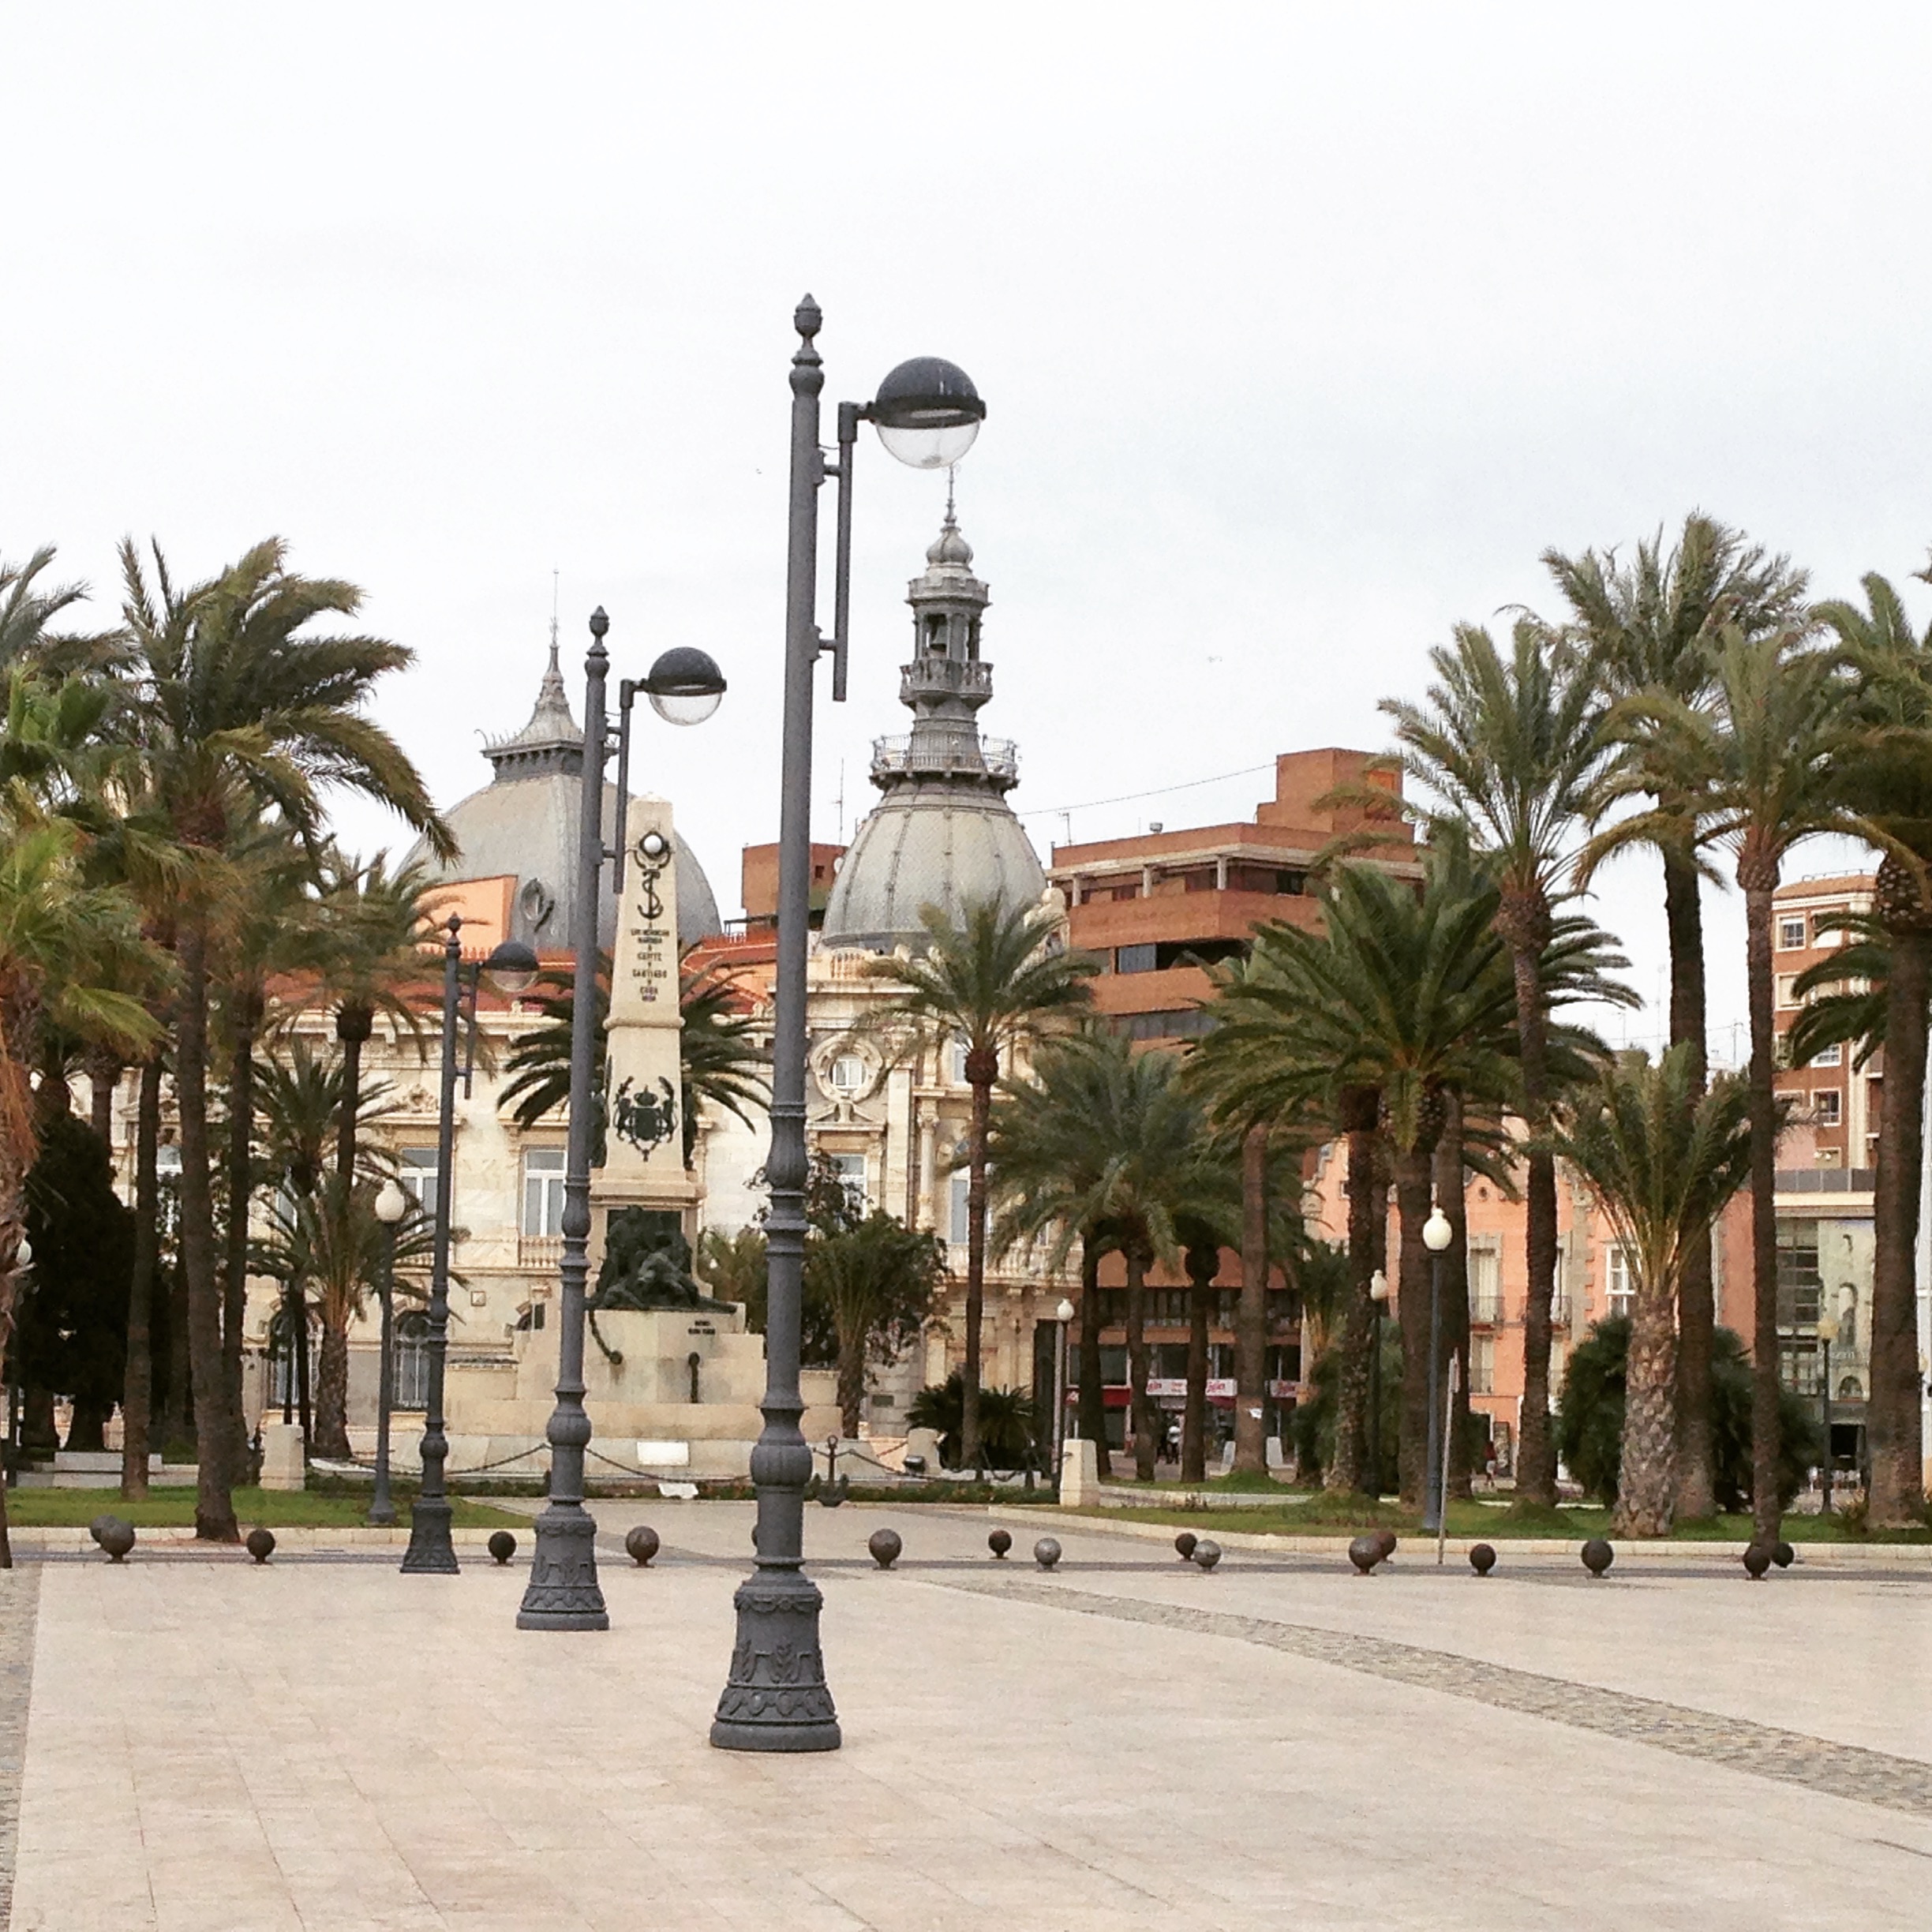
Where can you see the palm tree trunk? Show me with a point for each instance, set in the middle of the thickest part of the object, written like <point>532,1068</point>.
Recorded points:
<point>104,1077</point>
<point>353,1025</point>
<point>298,1365</point>
<point>1348,1468</point>
<point>1759,881</point>
<point>332,1395</point>
<point>852,1356</point>
<point>246,1014</point>
<point>1092,1388</point>
<point>975,1270</point>
<point>214,1518</point>
<point>1897,1497</point>
<point>137,1388</point>
<point>1412,1309</point>
<point>1448,1184</point>
<point>1647,1477</point>
<point>1194,1417</point>
<point>1251,1316</point>
<point>178,1413</point>
<point>1140,1405</point>
<point>1684,914</point>
<point>1535,1463</point>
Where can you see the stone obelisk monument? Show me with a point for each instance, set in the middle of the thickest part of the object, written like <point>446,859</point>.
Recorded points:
<point>644,1138</point>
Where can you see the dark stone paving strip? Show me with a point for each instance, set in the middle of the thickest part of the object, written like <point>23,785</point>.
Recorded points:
<point>1792,1757</point>
<point>20,1605</point>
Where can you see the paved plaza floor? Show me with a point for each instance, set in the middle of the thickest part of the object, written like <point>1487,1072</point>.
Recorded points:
<point>1127,1743</point>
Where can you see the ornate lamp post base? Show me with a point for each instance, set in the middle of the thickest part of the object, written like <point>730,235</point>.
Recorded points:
<point>430,1551</point>
<point>775,1699</point>
<point>563,1594</point>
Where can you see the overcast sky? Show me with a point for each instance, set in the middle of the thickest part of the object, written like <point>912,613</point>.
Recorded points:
<point>1303,330</point>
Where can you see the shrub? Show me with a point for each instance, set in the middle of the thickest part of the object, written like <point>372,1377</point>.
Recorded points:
<point>1589,1420</point>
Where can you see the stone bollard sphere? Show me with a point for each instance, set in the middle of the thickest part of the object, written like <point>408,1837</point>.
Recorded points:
<point>1783,1555</point>
<point>502,1545</point>
<point>1387,1539</point>
<point>1364,1553</point>
<point>999,1542</point>
<point>1598,1556</point>
<point>1757,1561</point>
<point>640,1545</point>
<point>885,1545</point>
<point>116,1537</point>
<point>261,1545</point>
<point>1047,1553</point>
<point>99,1524</point>
<point>1482,1558</point>
<point>1184,1545</point>
<point>1206,1553</point>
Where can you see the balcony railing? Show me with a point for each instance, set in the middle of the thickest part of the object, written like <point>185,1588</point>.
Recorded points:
<point>539,1251</point>
<point>944,676</point>
<point>996,758</point>
<point>1826,1180</point>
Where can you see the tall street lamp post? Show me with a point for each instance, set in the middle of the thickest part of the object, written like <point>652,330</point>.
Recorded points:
<point>684,687</point>
<point>1378,1296</point>
<point>392,1205</point>
<point>1436,1236</point>
<point>511,967</point>
<point>1827,1334</point>
<point>927,412</point>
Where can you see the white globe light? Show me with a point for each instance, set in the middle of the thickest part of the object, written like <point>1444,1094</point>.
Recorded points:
<point>391,1203</point>
<point>1436,1232</point>
<point>1064,1311</point>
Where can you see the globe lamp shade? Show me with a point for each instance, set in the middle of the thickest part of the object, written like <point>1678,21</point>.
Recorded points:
<point>512,968</point>
<point>1377,1286</point>
<point>1065,1312</point>
<point>928,413</point>
<point>391,1203</point>
<point>685,686</point>
<point>1436,1232</point>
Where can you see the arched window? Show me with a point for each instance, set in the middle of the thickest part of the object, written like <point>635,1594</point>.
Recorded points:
<point>412,1360</point>
<point>282,1390</point>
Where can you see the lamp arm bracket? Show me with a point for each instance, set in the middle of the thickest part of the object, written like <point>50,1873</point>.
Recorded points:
<point>627,689</point>
<point>849,416</point>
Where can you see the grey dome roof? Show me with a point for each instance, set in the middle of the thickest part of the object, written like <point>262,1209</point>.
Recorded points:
<point>943,835</point>
<point>925,845</point>
<point>523,825</point>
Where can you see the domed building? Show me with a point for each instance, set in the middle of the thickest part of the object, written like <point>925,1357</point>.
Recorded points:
<point>521,828</point>
<point>943,835</point>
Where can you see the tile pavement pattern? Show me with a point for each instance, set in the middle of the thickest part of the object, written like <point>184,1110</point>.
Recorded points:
<point>1842,1770</point>
<point>20,1601</point>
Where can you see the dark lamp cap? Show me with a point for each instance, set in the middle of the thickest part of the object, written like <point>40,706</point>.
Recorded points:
<point>927,393</point>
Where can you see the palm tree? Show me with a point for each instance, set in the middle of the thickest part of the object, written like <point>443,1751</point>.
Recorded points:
<point>26,612</point>
<point>1106,1147</point>
<point>59,939</point>
<point>1515,749</point>
<point>372,926</point>
<point>304,1108</point>
<point>1647,625</point>
<point>1762,759</point>
<point>720,1059</point>
<point>1405,996</point>
<point>239,699</point>
<point>331,1239</point>
<point>878,1280</point>
<point>1887,775</point>
<point>997,982</point>
<point>1661,1160</point>
<point>263,927</point>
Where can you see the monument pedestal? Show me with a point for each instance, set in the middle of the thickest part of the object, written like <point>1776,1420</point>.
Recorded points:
<point>283,1465</point>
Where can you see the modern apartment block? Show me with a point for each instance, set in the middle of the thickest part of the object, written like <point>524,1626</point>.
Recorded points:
<point>1158,908</point>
